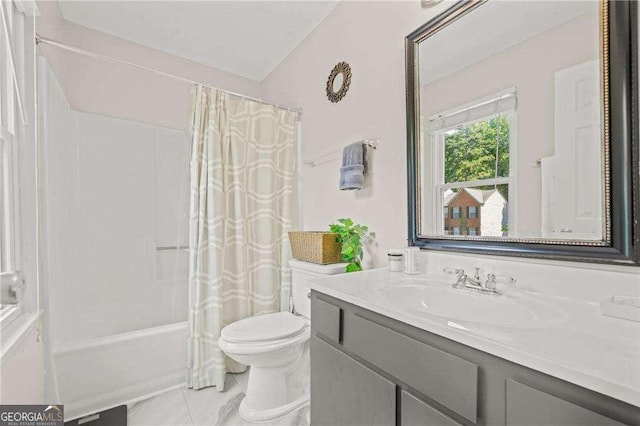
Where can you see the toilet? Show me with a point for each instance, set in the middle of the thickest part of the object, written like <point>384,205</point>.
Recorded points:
<point>276,347</point>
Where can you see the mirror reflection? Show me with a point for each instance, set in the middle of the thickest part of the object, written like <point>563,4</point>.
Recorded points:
<point>337,82</point>
<point>511,124</point>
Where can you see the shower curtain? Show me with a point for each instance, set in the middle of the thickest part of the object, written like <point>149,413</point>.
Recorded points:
<point>243,203</point>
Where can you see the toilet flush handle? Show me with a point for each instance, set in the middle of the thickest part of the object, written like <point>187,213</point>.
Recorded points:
<point>309,295</point>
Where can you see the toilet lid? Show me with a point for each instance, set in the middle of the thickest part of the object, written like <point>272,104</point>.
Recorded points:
<point>264,327</point>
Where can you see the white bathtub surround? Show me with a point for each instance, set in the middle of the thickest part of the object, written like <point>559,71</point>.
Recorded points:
<point>116,299</point>
<point>105,372</point>
<point>549,320</point>
<point>243,203</point>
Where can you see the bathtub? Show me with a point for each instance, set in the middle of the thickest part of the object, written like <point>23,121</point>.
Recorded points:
<point>96,374</point>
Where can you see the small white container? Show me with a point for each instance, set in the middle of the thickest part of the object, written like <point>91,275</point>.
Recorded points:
<point>411,260</point>
<point>396,260</point>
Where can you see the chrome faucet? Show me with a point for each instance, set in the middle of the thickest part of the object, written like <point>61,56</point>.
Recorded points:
<point>475,283</point>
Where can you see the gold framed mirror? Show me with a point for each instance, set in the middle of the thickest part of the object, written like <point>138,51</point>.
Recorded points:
<point>338,82</point>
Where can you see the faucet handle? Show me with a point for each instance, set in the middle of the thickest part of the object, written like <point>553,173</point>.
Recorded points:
<point>460,276</point>
<point>493,280</point>
<point>504,279</point>
<point>453,271</point>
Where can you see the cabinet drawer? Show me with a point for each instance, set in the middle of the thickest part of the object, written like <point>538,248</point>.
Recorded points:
<point>326,319</point>
<point>445,378</point>
<point>414,412</point>
<point>530,407</point>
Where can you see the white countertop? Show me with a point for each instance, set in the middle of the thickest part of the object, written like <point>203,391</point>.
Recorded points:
<point>584,347</point>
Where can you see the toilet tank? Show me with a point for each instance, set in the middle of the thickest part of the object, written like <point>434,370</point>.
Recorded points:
<point>300,287</point>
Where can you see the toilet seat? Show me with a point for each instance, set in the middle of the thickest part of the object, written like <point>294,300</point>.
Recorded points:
<point>264,328</point>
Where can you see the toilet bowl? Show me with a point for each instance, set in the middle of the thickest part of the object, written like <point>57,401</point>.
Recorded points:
<point>276,347</point>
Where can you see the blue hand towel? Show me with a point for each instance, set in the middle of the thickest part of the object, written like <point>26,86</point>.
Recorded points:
<point>354,166</point>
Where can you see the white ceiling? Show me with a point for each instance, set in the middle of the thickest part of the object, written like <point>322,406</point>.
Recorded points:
<point>246,38</point>
<point>492,28</point>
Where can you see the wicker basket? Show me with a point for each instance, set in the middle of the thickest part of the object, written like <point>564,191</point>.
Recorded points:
<point>316,247</point>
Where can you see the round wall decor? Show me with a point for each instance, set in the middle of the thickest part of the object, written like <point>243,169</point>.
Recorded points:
<point>338,81</point>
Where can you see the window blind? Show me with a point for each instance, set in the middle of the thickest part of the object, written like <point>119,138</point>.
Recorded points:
<point>493,105</point>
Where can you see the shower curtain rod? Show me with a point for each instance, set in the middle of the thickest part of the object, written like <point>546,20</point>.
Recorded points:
<point>40,39</point>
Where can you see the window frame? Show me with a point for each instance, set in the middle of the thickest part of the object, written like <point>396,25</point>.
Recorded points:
<point>475,212</point>
<point>455,210</point>
<point>437,138</point>
<point>16,41</point>
<point>12,121</point>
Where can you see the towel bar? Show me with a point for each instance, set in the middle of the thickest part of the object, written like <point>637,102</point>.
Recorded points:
<point>373,143</point>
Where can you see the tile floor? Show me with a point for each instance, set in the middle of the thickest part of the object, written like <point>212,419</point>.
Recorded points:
<point>205,407</point>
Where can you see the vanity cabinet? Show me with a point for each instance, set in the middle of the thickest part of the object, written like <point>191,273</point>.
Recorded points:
<point>369,369</point>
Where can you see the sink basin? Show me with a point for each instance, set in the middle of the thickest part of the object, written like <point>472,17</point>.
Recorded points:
<point>425,298</point>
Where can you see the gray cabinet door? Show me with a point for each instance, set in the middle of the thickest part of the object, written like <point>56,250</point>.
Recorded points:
<point>530,407</point>
<point>326,319</point>
<point>345,392</point>
<point>414,412</point>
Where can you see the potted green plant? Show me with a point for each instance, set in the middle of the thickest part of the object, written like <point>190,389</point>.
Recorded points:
<point>352,236</point>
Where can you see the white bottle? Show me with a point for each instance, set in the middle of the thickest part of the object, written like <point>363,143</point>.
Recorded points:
<point>411,260</point>
<point>396,260</point>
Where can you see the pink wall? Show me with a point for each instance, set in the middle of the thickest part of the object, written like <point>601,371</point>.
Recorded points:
<point>96,86</point>
<point>370,37</point>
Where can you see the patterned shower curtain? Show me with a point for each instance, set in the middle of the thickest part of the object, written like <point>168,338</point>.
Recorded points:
<point>243,203</point>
